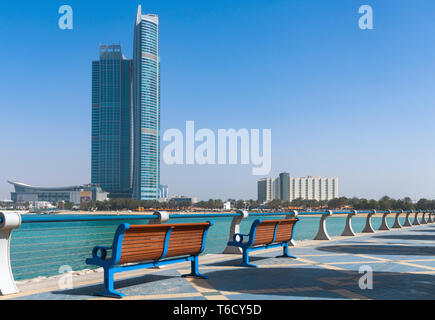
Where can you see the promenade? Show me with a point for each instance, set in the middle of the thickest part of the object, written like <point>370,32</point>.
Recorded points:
<point>403,264</point>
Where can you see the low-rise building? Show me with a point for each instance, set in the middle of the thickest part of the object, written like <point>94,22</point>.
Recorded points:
<point>74,194</point>
<point>179,199</point>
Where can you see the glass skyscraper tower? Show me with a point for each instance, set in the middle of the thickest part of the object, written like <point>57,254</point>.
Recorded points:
<point>111,166</point>
<point>146,93</point>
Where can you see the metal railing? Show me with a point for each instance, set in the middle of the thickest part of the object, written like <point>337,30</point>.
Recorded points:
<point>43,243</point>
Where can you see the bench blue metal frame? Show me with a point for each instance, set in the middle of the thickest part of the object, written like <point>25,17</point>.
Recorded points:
<point>110,266</point>
<point>247,246</point>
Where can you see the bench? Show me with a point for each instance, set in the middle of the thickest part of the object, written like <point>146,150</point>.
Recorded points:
<point>264,235</point>
<point>144,246</point>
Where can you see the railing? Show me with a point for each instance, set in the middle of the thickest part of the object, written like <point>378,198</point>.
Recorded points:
<point>73,239</point>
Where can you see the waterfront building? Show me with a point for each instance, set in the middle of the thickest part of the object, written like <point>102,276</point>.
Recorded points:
<point>146,101</point>
<point>111,165</point>
<point>163,193</point>
<point>227,205</point>
<point>6,204</point>
<point>178,199</point>
<point>264,190</point>
<point>287,188</point>
<point>284,184</point>
<point>74,194</point>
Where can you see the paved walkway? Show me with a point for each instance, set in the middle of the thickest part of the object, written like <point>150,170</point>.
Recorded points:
<point>403,264</point>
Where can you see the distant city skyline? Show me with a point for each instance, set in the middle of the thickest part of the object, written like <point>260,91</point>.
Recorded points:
<point>341,101</point>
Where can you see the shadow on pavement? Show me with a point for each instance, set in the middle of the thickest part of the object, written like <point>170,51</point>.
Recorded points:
<point>315,283</point>
<point>381,250</point>
<point>118,284</point>
<point>407,237</point>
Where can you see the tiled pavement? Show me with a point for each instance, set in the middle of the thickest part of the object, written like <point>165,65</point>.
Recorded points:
<point>403,264</point>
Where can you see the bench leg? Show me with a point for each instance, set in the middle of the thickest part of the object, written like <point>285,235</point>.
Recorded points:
<point>194,270</point>
<point>246,259</point>
<point>285,252</point>
<point>109,291</point>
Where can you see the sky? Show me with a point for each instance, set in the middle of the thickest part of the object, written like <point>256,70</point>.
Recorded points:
<point>340,101</point>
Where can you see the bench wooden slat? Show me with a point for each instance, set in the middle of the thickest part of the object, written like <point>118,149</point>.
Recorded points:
<point>146,242</point>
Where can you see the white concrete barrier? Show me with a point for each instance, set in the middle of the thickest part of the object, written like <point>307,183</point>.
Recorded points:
<point>348,231</point>
<point>416,222</point>
<point>235,228</point>
<point>407,223</point>
<point>322,234</point>
<point>396,224</point>
<point>384,224</point>
<point>368,227</point>
<point>9,221</point>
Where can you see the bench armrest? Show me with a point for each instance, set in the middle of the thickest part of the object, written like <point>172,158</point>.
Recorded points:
<point>238,237</point>
<point>100,252</point>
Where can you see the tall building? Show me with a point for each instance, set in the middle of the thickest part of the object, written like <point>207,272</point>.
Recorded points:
<point>284,186</point>
<point>265,190</point>
<point>287,188</point>
<point>111,166</point>
<point>163,193</point>
<point>146,93</point>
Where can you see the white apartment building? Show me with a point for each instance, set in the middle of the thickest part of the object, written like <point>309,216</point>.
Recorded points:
<point>287,188</point>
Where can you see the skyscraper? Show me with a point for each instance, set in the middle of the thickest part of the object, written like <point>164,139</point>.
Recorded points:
<point>265,190</point>
<point>146,92</point>
<point>111,165</point>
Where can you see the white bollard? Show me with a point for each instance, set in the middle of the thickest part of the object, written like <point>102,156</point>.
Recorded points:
<point>407,223</point>
<point>396,224</point>
<point>292,215</point>
<point>423,218</point>
<point>348,231</point>
<point>9,221</point>
<point>384,225</point>
<point>368,227</point>
<point>416,222</point>
<point>235,228</point>
<point>163,216</point>
<point>322,234</point>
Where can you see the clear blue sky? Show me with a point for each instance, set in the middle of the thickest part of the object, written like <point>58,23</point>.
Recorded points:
<point>355,104</point>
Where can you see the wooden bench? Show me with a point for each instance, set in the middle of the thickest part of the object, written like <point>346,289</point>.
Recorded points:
<point>265,234</point>
<point>144,246</point>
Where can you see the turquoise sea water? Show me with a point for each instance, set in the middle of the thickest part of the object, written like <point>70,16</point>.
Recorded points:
<point>40,249</point>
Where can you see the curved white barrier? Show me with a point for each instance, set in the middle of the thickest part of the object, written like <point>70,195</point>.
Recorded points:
<point>396,224</point>
<point>322,234</point>
<point>384,225</point>
<point>416,222</point>
<point>407,223</point>
<point>235,228</point>
<point>423,218</point>
<point>368,227</point>
<point>9,221</point>
<point>348,231</point>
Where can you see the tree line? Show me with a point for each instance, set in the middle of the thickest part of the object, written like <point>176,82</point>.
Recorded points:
<point>385,203</point>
